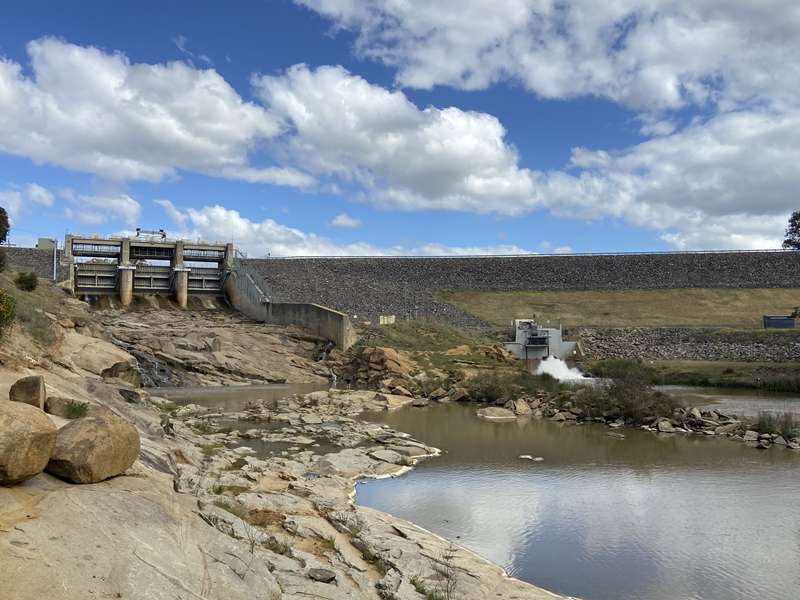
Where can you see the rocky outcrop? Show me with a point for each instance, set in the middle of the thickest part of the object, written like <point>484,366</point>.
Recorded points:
<point>29,390</point>
<point>93,449</point>
<point>27,438</point>
<point>676,343</point>
<point>368,365</point>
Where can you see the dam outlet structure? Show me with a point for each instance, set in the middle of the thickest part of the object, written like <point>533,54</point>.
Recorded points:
<point>125,267</point>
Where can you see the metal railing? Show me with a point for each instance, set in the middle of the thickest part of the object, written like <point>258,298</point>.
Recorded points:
<point>245,281</point>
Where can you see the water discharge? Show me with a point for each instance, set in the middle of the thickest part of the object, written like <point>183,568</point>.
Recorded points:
<point>555,367</point>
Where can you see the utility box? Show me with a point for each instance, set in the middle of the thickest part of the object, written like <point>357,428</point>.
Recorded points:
<point>534,342</point>
<point>778,322</point>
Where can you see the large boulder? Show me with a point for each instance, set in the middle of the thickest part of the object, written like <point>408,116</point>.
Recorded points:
<point>94,448</point>
<point>29,390</point>
<point>27,437</point>
<point>495,413</point>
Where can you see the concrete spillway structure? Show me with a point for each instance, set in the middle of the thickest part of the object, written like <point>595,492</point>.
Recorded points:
<point>125,267</point>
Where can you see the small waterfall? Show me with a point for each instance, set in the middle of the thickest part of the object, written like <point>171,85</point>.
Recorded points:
<point>557,368</point>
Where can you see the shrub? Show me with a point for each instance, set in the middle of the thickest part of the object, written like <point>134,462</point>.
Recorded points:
<point>628,395</point>
<point>77,410</point>
<point>6,309</point>
<point>501,387</point>
<point>786,423</point>
<point>27,282</point>
<point>2,259</point>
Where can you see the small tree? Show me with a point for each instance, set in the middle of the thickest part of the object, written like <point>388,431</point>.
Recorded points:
<point>6,309</point>
<point>792,239</point>
<point>4,227</point>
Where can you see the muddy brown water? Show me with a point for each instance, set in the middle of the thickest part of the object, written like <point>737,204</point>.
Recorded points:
<point>647,517</point>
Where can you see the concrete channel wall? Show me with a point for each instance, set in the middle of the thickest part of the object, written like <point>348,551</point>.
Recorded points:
<point>320,320</point>
<point>365,288</point>
<point>246,296</point>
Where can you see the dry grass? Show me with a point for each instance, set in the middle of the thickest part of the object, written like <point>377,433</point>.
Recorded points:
<point>696,307</point>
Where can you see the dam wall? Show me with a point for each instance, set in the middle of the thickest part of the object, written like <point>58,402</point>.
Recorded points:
<point>365,288</point>
<point>35,260</point>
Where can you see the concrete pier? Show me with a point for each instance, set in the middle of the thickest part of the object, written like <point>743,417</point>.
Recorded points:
<point>181,286</point>
<point>126,284</point>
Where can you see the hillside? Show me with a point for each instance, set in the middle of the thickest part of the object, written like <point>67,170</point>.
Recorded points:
<point>683,307</point>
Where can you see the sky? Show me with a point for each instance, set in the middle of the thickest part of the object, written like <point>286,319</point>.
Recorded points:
<point>401,127</point>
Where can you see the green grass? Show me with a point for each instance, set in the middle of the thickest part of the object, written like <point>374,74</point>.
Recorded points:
<point>31,307</point>
<point>421,335</point>
<point>693,307</point>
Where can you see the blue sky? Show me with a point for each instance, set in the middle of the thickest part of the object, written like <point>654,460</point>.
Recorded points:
<point>340,127</point>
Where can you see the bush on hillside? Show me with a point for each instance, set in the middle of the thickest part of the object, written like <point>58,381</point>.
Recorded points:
<point>6,309</point>
<point>2,259</point>
<point>27,282</point>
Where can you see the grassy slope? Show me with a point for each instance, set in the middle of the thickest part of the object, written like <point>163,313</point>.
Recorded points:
<point>30,308</point>
<point>736,308</point>
<point>778,377</point>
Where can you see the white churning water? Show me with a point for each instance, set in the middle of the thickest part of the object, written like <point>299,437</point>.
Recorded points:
<point>557,368</point>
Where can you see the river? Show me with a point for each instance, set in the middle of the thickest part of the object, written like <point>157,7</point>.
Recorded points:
<point>647,517</point>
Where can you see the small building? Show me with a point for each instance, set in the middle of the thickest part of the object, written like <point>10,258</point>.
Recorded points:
<point>45,244</point>
<point>534,342</point>
<point>779,321</point>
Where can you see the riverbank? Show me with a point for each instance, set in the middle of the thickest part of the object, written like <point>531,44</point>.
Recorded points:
<point>290,468</point>
<point>217,505</point>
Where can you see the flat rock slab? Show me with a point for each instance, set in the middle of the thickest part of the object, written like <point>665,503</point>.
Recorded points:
<point>322,575</point>
<point>496,413</point>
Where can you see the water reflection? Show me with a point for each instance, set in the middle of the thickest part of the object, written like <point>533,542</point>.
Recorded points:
<point>742,402</point>
<point>235,398</point>
<point>645,517</point>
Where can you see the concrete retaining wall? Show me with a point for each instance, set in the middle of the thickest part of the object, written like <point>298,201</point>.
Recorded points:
<point>33,260</point>
<point>365,288</point>
<point>319,320</point>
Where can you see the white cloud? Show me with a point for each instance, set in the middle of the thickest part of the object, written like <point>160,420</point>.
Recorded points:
<point>339,125</point>
<point>649,54</point>
<point>89,110</point>
<point>175,215</point>
<point>217,223</point>
<point>18,199</point>
<point>104,208</point>
<point>345,221</point>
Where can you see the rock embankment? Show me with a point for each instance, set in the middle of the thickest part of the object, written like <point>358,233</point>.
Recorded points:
<point>674,343</point>
<point>408,286</point>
